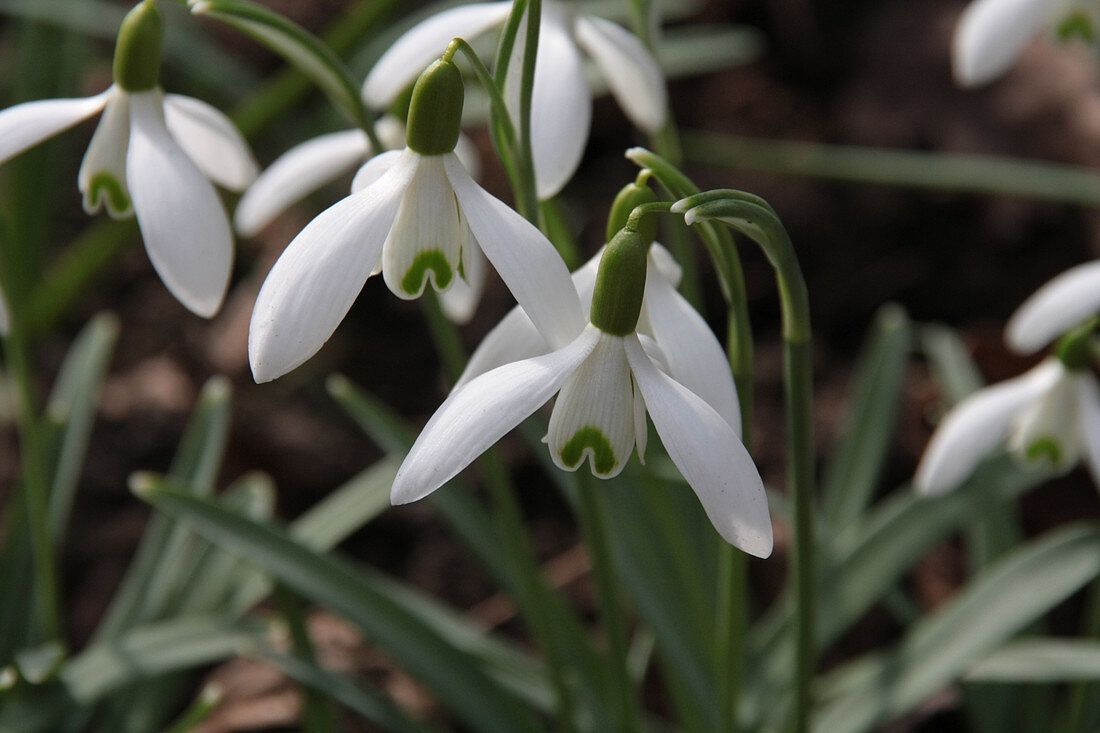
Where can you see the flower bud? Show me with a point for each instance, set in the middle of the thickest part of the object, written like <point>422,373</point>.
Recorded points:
<point>138,49</point>
<point>630,196</point>
<point>620,283</point>
<point>435,112</point>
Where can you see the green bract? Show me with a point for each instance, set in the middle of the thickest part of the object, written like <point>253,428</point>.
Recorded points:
<point>435,113</point>
<point>138,49</point>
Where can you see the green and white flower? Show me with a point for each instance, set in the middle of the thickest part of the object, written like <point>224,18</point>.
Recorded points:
<point>1063,303</point>
<point>561,106</point>
<point>992,34</point>
<point>1049,415</point>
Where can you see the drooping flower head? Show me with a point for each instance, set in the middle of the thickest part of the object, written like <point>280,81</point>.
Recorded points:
<point>561,106</point>
<point>991,34</point>
<point>607,378</point>
<point>153,156</point>
<point>416,216</point>
<point>1054,309</point>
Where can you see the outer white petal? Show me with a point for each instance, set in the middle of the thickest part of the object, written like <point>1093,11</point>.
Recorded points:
<point>425,42</point>
<point>460,301</point>
<point>661,260</point>
<point>1088,416</point>
<point>641,427</point>
<point>594,416</point>
<point>972,428</point>
<point>25,125</point>
<point>709,455</point>
<point>425,243</point>
<point>375,168</point>
<point>297,172</point>
<point>479,414</point>
<point>102,176</point>
<point>991,34</point>
<point>695,358</point>
<point>312,286</point>
<point>182,220</point>
<point>467,153</point>
<point>561,103</point>
<point>1055,308</point>
<point>525,259</point>
<point>212,141</point>
<point>632,73</point>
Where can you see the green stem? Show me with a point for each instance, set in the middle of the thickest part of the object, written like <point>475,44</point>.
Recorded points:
<point>317,713</point>
<point>1077,719</point>
<point>607,590</point>
<point>35,482</point>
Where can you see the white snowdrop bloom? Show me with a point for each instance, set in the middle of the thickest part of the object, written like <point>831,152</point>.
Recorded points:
<point>991,34</point>
<point>153,155</point>
<point>1049,415</point>
<point>1058,306</point>
<point>561,106</point>
<point>417,217</point>
<point>607,378</point>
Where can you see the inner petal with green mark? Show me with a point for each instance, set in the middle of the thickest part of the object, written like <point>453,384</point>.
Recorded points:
<point>430,263</point>
<point>589,440</point>
<point>106,189</point>
<point>1045,449</point>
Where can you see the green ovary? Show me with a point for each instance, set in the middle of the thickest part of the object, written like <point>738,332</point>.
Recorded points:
<point>106,184</point>
<point>589,437</point>
<point>1045,448</point>
<point>431,259</point>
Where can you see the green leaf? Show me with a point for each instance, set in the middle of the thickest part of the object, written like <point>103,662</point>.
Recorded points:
<point>955,372</point>
<point>333,583</point>
<point>872,411</point>
<point>298,46</point>
<point>72,406</point>
<point>1040,660</point>
<point>948,643</point>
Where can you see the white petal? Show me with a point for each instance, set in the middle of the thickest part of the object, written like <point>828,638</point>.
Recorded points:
<point>375,168</point>
<point>425,243</point>
<point>467,153</point>
<point>297,172</point>
<point>423,43</point>
<point>641,427</point>
<point>594,414</point>
<point>632,73</point>
<point>525,259</point>
<point>479,414</point>
<point>312,286</point>
<point>709,455</point>
<point>212,141</point>
<point>25,125</point>
<point>182,220</point>
<point>460,301</point>
<point>1045,431</point>
<point>695,358</point>
<point>1088,416</point>
<point>975,426</point>
<point>663,262</point>
<point>102,176</point>
<point>991,34</point>
<point>561,103</point>
<point>1055,308</point>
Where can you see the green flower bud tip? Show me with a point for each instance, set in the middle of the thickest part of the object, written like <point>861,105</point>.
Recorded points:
<point>620,284</point>
<point>138,49</point>
<point>435,112</point>
<point>632,195</point>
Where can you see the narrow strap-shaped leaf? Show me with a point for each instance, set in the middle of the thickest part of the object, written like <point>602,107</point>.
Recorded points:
<point>946,644</point>
<point>955,372</point>
<point>1040,660</point>
<point>333,583</point>
<point>868,433</point>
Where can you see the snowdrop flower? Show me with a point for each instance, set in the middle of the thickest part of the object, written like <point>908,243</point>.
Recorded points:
<point>561,107</point>
<point>992,33</point>
<point>606,379</point>
<point>152,156</point>
<point>417,216</point>
<point>1049,415</point>
<point>1061,304</point>
<point>693,355</point>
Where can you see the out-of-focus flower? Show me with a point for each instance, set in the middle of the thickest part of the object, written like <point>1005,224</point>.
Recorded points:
<point>153,156</point>
<point>1063,303</point>
<point>991,34</point>
<point>1049,415</point>
<point>561,107</point>
<point>417,217</point>
<point>5,317</point>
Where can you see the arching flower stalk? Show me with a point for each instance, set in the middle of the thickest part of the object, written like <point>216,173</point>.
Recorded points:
<point>561,109</point>
<point>153,155</point>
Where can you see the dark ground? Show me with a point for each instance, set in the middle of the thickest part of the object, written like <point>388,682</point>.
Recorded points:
<point>868,73</point>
